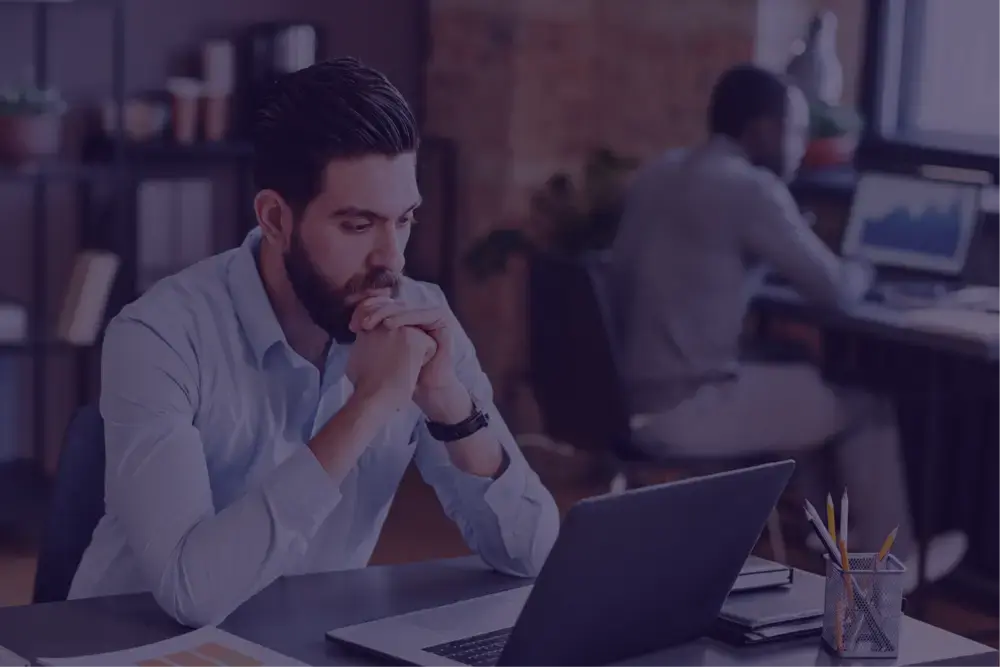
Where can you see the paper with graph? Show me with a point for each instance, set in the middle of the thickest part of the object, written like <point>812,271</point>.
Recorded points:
<point>206,646</point>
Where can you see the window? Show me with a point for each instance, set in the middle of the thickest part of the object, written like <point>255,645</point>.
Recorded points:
<point>933,74</point>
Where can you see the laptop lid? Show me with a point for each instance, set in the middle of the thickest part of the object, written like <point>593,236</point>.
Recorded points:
<point>643,570</point>
<point>912,223</point>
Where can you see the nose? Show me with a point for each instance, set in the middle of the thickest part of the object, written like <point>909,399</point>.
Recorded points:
<point>389,251</point>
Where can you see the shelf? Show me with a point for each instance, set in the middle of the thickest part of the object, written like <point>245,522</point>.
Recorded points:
<point>43,347</point>
<point>57,3</point>
<point>101,151</point>
<point>52,169</point>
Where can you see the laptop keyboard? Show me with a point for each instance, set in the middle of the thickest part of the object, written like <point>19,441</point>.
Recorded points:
<point>481,649</point>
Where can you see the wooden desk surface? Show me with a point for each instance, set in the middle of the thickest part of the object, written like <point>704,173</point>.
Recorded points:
<point>293,615</point>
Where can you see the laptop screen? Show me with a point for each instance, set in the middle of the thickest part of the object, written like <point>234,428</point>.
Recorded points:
<point>912,223</point>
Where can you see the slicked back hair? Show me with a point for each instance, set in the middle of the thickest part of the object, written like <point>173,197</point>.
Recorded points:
<point>337,109</point>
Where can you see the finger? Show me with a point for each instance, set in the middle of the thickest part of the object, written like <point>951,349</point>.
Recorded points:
<point>358,297</point>
<point>429,319</point>
<point>365,308</point>
<point>377,315</point>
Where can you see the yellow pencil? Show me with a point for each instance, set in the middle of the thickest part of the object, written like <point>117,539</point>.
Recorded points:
<point>831,521</point>
<point>887,545</point>
<point>846,565</point>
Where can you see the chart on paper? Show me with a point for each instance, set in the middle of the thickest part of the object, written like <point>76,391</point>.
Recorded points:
<point>208,647</point>
<point>203,654</point>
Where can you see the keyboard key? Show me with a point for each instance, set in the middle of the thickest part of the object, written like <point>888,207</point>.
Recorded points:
<point>477,650</point>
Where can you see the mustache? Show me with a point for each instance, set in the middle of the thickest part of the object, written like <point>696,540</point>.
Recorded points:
<point>380,278</point>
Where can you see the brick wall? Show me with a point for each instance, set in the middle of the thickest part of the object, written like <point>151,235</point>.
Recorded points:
<point>529,87</point>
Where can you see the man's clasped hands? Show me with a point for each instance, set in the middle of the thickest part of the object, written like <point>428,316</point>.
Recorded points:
<point>403,352</point>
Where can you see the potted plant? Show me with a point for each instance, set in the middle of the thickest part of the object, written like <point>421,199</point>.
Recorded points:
<point>30,123</point>
<point>565,217</point>
<point>834,133</point>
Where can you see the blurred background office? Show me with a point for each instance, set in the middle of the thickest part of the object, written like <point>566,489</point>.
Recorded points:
<point>123,158</point>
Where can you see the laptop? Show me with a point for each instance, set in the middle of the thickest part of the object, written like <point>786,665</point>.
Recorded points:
<point>915,231</point>
<point>630,573</point>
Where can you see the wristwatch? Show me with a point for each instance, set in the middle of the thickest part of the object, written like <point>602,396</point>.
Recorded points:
<point>477,421</point>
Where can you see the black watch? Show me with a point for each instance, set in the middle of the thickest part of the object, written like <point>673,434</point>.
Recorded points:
<point>477,421</point>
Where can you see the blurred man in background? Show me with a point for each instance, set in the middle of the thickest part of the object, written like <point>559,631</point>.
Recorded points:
<point>697,225</point>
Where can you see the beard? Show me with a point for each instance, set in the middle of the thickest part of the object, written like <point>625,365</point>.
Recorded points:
<point>327,304</point>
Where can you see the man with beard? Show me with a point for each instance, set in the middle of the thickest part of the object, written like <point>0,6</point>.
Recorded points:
<point>262,406</point>
<point>698,226</point>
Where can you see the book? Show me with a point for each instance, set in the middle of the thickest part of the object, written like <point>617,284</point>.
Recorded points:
<point>734,633</point>
<point>759,573</point>
<point>205,646</point>
<point>799,601</point>
<point>10,659</point>
<point>89,289</point>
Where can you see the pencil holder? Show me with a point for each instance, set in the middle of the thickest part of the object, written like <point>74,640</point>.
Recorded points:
<point>863,607</point>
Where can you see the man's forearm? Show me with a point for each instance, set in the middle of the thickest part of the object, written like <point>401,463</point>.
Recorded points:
<point>479,454</point>
<point>347,434</point>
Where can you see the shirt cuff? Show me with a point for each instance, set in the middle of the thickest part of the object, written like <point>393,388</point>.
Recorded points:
<point>301,493</point>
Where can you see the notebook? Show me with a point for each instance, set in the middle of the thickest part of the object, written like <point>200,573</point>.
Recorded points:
<point>732,633</point>
<point>760,573</point>
<point>801,600</point>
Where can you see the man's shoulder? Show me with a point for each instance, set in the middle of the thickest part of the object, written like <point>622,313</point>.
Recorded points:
<point>173,305</point>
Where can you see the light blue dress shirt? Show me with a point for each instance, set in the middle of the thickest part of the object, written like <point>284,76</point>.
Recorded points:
<point>211,492</point>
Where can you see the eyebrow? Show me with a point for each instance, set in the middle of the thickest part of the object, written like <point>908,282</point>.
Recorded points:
<point>368,214</point>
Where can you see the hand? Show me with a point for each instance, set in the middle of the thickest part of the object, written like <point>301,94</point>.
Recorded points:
<point>438,392</point>
<point>385,363</point>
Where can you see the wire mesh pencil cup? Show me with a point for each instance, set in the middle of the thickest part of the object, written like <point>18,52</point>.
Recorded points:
<point>863,606</point>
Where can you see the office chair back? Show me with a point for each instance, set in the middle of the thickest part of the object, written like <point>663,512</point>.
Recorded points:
<point>573,372</point>
<point>77,505</point>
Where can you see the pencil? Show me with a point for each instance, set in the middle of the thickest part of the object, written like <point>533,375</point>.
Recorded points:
<point>843,517</point>
<point>887,545</point>
<point>831,521</point>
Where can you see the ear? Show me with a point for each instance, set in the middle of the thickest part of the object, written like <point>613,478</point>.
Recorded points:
<point>274,217</point>
<point>762,135</point>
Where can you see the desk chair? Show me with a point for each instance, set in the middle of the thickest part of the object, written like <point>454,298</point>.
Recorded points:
<point>570,337</point>
<point>77,506</point>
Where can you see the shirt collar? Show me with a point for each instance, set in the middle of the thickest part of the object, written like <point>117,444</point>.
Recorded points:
<point>253,307</point>
<point>724,145</point>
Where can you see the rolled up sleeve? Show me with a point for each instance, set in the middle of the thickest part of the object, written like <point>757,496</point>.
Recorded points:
<point>775,232</point>
<point>199,563</point>
<point>511,521</point>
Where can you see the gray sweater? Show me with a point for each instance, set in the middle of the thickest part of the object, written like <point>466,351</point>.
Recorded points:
<point>697,228</point>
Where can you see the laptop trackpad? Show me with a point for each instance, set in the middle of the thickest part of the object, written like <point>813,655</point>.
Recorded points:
<point>483,614</point>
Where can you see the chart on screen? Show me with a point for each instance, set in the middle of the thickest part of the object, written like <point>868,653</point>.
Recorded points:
<point>210,647</point>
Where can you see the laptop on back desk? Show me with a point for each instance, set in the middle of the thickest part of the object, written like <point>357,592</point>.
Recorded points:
<point>630,573</point>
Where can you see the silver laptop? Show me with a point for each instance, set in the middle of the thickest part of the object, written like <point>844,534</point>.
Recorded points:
<point>630,574</point>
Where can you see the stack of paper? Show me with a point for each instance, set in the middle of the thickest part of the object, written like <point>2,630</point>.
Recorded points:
<point>206,646</point>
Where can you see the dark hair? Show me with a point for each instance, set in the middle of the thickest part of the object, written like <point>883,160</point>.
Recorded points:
<point>744,94</point>
<point>337,109</point>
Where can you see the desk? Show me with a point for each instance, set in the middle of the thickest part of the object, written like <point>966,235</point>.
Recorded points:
<point>292,615</point>
<point>978,343</point>
<point>885,323</point>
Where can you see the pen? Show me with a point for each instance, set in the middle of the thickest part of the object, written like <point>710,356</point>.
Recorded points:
<point>827,541</point>
<point>845,561</point>
<point>813,517</point>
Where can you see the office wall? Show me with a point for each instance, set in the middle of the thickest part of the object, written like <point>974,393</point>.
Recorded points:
<point>161,37</point>
<point>528,87</point>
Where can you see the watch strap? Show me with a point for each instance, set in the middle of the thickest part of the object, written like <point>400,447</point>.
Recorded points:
<point>477,421</point>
